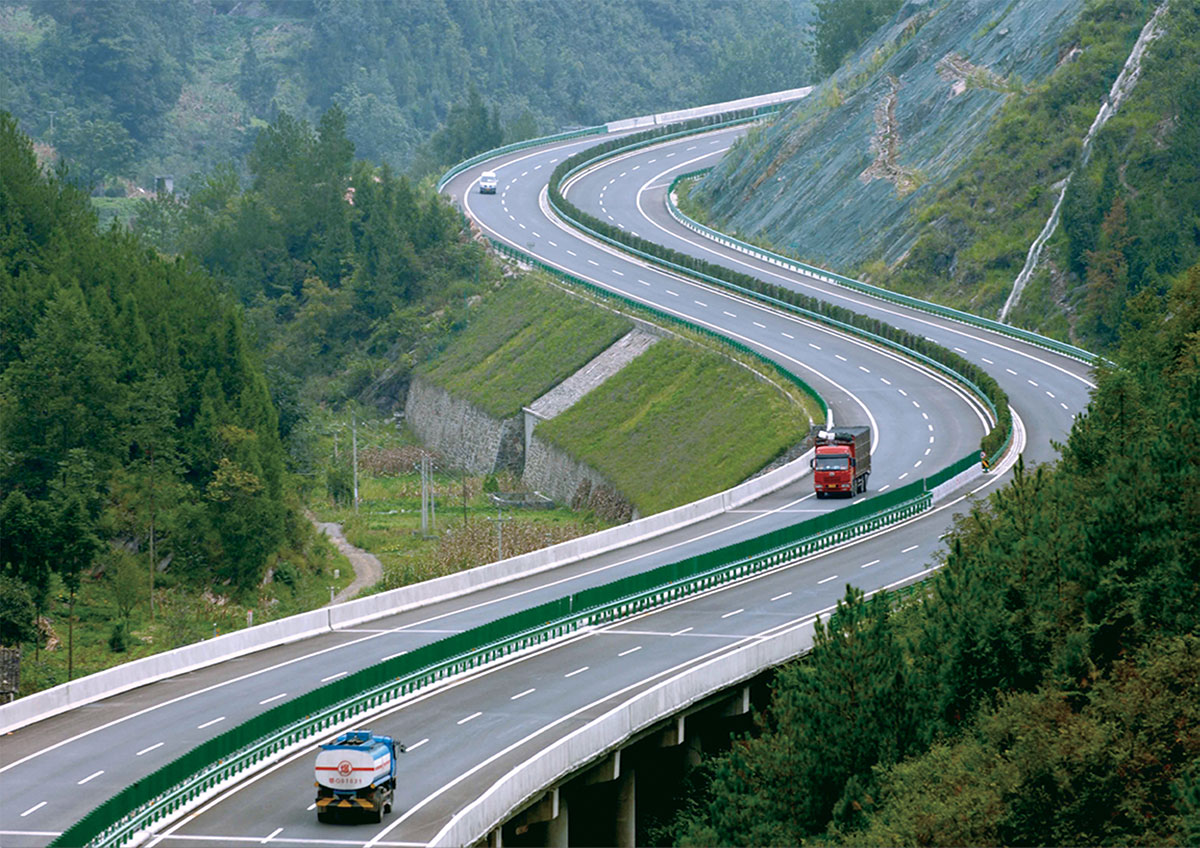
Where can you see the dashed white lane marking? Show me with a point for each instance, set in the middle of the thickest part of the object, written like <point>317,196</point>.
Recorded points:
<point>393,656</point>
<point>925,415</point>
<point>917,405</point>
<point>511,218</point>
<point>929,450</point>
<point>471,717</point>
<point>930,426</point>
<point>209,723</point>
<point>787,335</point>
<point>91,776</point>
<point>522,226</point>
<point>813,346</point>
<point>699,303</point>
<point>1064,406</point>
<point>910,548</point>
<point>274,833</point>
<point>148,750</point>
<point>584,668</point>
<point>960,350</point>
<point>536,235</point>
<point>1050,394</point>
<point>930,442</point>
<point>273,698</point>
<point>610,217</point>
<point>669,155</point>
<point>735,612</point>
<point>630,651</point>
<point>571,252</point>
<point>33,809</point>
<point>553,244</point>
<point>523,174</point>
<point>1030,382</point>
<point>917,464</point>
<point>827,579</point>
<point>552,161</point>
<point>869,564</point>
<point>730,314</point>
<point>988,361</point>
<point>618,273</point>
<point>686,149</point>
<point>643,282</point>
<point>760,326</point>
<point>885,381</point>
<point>781,597</point>
<point>522,694</point>
<point>864,368</point>
<point>672,294</point>
<point>902,476</point>
<point>613,180</point>
<point>681,632</point>
<point>635,167</point>
<point>334,676</point>
<point>885,487</point>
<point>537,167</point>
<point>901,391</point>
<point>839,356</point>
<point>414,746</point>
<point>1010,371</point>
<point>623,173</point>
<point>652,161</point>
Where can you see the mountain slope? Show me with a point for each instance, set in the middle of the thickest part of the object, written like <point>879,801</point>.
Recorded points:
<point>931,162</point>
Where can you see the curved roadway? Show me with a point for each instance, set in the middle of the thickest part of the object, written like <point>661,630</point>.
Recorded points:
<point>466,734</point>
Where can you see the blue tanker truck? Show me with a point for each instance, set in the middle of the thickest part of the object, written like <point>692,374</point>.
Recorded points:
<point>356,777</point>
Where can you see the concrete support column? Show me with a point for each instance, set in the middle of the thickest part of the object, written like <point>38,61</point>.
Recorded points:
<point>557,829</point>
<point>627,809</point>
<point>495,839</point>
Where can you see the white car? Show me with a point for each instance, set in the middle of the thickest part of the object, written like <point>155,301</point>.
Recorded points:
<point>487,182</point>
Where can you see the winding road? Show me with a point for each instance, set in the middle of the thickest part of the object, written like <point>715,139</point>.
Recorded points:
<point>468,734</point>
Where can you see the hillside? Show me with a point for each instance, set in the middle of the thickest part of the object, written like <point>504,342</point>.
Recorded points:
<point>138,88</point>
<point>932,159</point>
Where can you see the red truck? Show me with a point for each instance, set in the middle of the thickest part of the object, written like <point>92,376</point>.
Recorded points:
<point>843,460</point>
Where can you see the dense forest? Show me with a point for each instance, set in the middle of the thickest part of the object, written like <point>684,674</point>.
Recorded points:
<point>133,408</point>
<point>135,88</point>
<point>1044,686</point>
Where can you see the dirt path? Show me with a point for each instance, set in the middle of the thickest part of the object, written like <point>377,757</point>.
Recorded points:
<point>368,570</point>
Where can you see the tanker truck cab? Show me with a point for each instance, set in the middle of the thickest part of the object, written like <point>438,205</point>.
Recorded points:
<point>356,776</point>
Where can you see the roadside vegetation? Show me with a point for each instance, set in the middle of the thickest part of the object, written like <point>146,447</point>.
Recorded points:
<point>1044,688</point>
<point>678,424</point>
<point>526,338</point>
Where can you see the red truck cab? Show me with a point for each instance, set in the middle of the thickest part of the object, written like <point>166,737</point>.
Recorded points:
<point>842,461</point>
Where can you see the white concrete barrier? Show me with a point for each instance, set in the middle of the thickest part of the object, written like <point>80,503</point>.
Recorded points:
<point>712,109</point>
<point>614,728</point>
<point>113,681</point>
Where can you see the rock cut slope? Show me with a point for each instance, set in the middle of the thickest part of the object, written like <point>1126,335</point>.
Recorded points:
<point>836,178</point>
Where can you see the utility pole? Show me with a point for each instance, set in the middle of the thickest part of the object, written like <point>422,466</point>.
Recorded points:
<point>354,438</point>
<point>499,519</point>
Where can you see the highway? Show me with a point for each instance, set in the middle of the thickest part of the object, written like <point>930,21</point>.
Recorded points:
<point>465,735</point>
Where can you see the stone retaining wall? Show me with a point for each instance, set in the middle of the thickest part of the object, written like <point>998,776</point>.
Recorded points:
<point>468,437</point>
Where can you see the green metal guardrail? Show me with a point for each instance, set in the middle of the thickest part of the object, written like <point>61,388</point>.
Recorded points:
<point>875,291</point>
<point>517,145</point>
<point>206,766</point>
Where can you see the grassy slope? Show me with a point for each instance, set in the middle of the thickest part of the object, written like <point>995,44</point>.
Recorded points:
<point>524,340</point>
<point>674,409</point>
